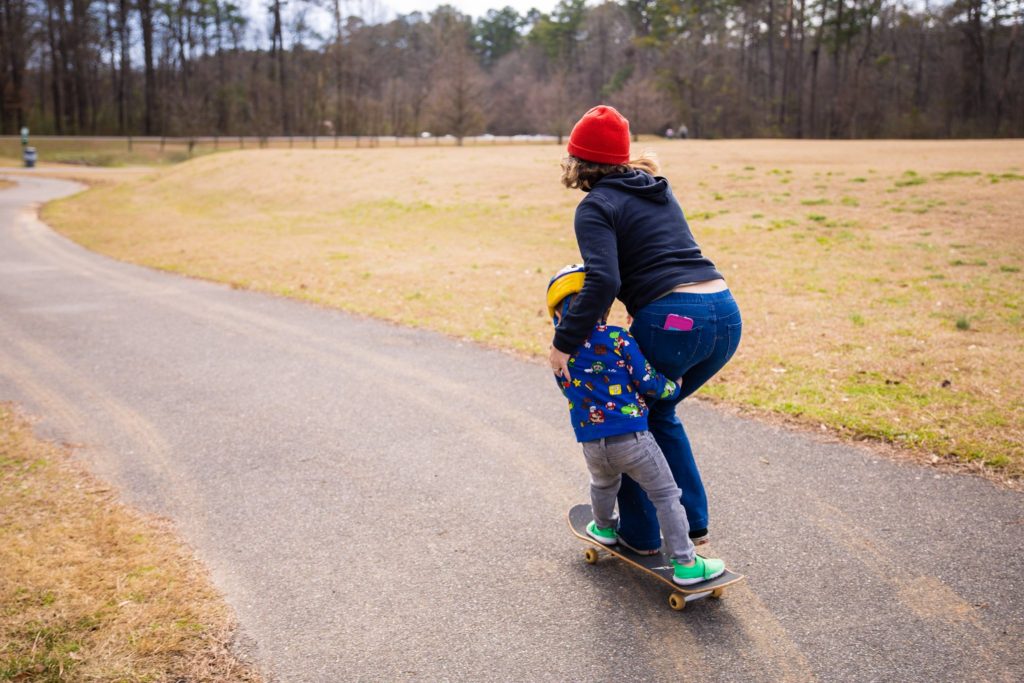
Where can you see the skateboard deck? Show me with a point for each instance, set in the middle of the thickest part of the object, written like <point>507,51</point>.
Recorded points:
<point>657,565</point>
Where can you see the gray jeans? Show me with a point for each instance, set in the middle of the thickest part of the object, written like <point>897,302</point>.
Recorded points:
<point>638,455</point>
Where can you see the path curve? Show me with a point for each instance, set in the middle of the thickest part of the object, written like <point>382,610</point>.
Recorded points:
<point>379,503</point>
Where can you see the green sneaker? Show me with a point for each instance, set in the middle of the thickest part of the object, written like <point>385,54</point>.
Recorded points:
<point>603,536</point>
<point>703,569</point>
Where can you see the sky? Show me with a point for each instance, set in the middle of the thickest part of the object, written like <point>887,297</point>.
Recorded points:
<point>373,12</point>
<point>381,10</point>
<point>476,8</point>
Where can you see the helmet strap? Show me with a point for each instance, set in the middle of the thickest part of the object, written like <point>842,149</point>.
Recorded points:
<point>566,303</point>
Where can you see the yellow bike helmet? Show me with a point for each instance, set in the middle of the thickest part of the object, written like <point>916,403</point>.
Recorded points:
<point>567,281</point>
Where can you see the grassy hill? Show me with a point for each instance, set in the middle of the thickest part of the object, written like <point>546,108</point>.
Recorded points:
<point>880,281</point>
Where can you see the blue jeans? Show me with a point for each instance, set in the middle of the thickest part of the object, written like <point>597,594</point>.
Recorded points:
<point>695,356</point>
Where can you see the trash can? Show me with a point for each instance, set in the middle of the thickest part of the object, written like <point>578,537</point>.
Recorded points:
<point>30,157</point>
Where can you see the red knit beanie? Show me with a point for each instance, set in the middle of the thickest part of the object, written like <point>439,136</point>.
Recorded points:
<point>601,136</point>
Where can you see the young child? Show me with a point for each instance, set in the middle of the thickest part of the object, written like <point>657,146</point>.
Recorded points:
<point>609,384</point>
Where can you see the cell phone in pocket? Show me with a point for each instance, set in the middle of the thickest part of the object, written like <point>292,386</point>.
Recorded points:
<point>678,322</point>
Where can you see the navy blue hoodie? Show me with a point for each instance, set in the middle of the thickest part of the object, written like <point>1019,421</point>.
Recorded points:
<point>636,245</point>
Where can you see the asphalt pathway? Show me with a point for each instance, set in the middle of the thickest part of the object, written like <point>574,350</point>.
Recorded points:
<point>379,503</point>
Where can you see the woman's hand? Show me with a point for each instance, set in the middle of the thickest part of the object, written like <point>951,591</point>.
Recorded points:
<point>559,362</point>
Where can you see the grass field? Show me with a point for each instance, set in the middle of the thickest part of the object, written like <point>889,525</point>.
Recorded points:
<point>99,152</point>
<point>89,590</point>
<point>880,281</point>
<point>107,152</point>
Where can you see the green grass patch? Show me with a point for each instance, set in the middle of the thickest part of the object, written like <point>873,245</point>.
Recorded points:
<point>909,179</point>
<point>1000,177</point>
<point>946,175</point>
<point>101,159</point>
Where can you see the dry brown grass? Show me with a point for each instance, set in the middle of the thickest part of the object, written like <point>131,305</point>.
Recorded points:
<point>4,184</point>
<point>880,281</point>
<point>92,591</point>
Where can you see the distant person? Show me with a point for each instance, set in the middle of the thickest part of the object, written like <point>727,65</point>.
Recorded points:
<point>637,247</point>
<point>608,392</point>
<point>684,132</point>
<point>669,133</point>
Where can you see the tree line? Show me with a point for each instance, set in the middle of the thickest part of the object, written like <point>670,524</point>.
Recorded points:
<point>721,68</point>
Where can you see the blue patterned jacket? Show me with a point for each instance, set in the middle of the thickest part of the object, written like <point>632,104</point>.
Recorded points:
<point>610,384</point>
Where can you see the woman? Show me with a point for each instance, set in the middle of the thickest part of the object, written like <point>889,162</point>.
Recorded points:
<point>637,247</point>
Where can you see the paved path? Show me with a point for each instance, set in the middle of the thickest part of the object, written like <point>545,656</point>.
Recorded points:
<point>380,503</point>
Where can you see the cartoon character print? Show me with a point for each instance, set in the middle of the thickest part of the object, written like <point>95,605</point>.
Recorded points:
<point>670,388</point>
<point>648,376</point>
<point>641,402</point>
<point>596,415</point>
<point>631,410</point>
<point>610,405</point>
<point>620,363</point>
<point>597,368</point>
<point>648,372</point>
<point>620,344</point>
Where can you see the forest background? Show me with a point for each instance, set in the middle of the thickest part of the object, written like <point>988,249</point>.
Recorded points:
<point>721,68</point>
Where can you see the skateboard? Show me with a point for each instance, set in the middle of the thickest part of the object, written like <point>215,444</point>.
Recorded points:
<point>657,565</point>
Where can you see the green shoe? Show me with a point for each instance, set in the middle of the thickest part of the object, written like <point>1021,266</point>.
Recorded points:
<point>603,536</point>
<point>703,569</point>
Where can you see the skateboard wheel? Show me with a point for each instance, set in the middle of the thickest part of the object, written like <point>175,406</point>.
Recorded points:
<point>591,556</point>
<point>717,593</point>
<point>677,601</point>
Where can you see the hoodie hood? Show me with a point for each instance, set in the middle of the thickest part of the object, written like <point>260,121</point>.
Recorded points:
<point>637,183</point>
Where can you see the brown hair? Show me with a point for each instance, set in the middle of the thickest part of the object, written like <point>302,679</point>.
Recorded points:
<point>583,174</point>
